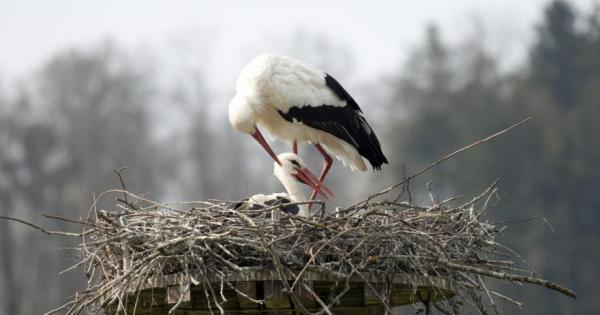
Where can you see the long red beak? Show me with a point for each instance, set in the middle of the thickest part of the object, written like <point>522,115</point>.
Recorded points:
<point>259,138</point>
<point>311,180</point>
<point>304,174</point>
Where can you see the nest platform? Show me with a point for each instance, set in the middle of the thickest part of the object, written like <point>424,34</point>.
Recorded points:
<point>204,257</point>
<point>159,295</point>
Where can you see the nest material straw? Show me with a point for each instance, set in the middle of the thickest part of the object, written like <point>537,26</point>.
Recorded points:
<point>144,239</point>
<point>207,240</point>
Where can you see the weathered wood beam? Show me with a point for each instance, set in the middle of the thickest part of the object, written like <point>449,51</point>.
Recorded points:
<point>275,298</point>
<point>249,289</point>
<point>175,292</point>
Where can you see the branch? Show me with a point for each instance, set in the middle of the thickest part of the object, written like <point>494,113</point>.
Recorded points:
<point>508,276</point>
<point>41,229</point>
<point>436,163</point>
<point>118,172</point>
<point>486,272</point>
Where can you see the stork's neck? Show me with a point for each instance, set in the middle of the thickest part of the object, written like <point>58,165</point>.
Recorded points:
<point>294,190</point>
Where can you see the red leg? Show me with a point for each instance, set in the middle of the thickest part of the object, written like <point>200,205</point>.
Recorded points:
<point>326,166</point>
<point>295,147</point>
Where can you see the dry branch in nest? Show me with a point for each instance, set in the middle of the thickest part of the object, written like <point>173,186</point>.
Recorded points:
<point>208,241</point>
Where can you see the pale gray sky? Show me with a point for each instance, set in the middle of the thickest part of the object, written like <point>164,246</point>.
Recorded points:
<point>376,32</point>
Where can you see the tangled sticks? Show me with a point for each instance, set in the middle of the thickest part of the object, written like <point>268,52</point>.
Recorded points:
<point>447,247</point>
<point>207,242</point>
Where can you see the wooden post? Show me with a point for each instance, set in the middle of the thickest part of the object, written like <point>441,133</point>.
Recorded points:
<point>275,299</point>
<point>248,288</point>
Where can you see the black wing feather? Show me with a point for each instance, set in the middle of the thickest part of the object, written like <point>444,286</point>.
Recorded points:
<point>292,209</point>
<point>339,90</point>
<point>246,204</point>
<point>346,123</point>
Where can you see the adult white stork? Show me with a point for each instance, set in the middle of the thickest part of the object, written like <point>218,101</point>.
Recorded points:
<point>287,173</point>
<point>297,103</point>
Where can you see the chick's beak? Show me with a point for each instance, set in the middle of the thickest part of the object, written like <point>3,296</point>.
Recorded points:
<point>308,178</point>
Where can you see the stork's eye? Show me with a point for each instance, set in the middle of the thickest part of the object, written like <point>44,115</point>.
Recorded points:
<point>295,163</point>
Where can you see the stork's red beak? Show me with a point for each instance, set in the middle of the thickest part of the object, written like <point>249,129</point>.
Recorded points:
<point>303,175</point>
<point>260,139</point>
<point>308,178</point>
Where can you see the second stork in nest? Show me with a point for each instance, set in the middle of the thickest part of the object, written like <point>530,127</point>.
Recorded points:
<point>287,173</point>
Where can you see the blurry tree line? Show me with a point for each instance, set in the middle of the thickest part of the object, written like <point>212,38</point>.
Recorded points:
<point>87,112</point>
<point>452,95</point>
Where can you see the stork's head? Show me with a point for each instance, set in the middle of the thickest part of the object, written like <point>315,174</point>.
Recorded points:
<point>241,115</point>
<point>293,167</point>
<point>291,164</point>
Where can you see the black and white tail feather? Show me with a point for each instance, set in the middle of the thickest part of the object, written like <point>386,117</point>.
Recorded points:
<point>344,122</point>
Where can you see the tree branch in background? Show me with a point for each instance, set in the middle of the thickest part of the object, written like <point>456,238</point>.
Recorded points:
<point>434,164</point>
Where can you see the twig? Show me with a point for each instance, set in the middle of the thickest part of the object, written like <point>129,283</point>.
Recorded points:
<point>68,220</point>
<point>440,161</point>
<point>41,229</point>
<point>195,243</point>
<point>118,172</point>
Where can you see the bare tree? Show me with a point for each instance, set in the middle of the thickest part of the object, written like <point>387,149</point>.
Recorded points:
<point>87,115</point>
<point>29,178</point>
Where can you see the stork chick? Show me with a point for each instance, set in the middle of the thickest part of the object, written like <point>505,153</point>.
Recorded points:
<point>288,174</point>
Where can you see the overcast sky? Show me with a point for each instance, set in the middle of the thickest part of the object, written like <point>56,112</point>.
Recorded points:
<point>377,33</point>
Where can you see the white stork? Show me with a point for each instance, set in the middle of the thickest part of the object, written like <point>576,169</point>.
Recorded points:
<point>297,103</point>
<point>287,173</point>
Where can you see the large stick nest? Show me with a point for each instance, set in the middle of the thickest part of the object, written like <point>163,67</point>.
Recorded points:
<point>451,240</point>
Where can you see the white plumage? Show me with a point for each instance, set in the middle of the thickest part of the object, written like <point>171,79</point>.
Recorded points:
<point>284,81</point>
<point>287,175</point>
<point>298,103</point>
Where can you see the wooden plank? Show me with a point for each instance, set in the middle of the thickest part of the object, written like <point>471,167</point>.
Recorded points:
<point>260,274</point>
<point>200,301</point>
<point>248,288</point>
<point>191,312</point>
<point>149,301</point>
<point>353,297</point>
<point>363,310</point>
<point>274,296</point>
<point>304,295</point>
<point>263,284</point>
<point>373,297</point>
<point>174,292</point>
